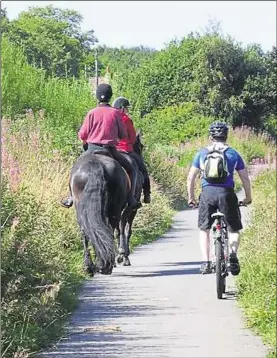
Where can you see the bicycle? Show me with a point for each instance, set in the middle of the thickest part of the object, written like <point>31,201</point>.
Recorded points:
<point>221,250</point>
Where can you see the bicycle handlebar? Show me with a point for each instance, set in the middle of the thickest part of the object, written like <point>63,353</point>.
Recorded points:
<point>195,205</point>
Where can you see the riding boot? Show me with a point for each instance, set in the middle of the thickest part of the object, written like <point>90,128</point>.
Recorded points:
<point>132,202</point>
<point>146,190</point>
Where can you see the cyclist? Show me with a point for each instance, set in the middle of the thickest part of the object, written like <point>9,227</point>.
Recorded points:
<point>101,130</point>
<point>218,192</point>
<point>126,145</point>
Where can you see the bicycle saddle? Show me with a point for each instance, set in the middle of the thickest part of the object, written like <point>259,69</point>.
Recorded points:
<point>217,214</point>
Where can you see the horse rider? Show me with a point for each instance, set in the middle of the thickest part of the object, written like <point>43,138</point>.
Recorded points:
<point>100,131</point>
<point>126,145</point>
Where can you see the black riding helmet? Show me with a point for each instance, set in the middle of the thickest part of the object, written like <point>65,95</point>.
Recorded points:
<point>218,130</point>
<point>104,92</point>
<point>121,102</point>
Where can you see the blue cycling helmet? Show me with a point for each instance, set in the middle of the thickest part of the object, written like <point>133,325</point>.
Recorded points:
<point>218,130</point>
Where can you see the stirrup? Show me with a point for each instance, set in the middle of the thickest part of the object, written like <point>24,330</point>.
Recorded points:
<point>66,203</point>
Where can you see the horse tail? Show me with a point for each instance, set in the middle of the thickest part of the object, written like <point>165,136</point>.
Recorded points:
<point>92,217</point>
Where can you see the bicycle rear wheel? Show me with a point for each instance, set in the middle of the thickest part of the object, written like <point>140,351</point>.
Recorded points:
<point>220,277</point>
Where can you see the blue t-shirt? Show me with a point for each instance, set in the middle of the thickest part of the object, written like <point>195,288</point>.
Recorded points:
<point>234,162</point>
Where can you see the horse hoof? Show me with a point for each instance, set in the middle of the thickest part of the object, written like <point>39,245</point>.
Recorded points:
<point>90,270</point>
<point>126,262</point>
<point>107,271</point>
<point>119,259</point>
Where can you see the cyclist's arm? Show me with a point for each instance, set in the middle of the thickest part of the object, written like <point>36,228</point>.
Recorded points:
<point>244,177</point>
<point>243,174</point>
<point>191,183</point>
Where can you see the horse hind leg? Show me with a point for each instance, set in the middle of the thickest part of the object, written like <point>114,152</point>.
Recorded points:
<point>89,266</point>
<point>122,249</point>
<point>116,244</point>
<point>128,233</point>
<point>108,268</point>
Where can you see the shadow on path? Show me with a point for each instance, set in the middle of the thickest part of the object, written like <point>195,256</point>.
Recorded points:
<point>190,271</point>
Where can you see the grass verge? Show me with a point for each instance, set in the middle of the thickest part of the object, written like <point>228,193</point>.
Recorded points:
<point>257,281</point>
<point>41,251</point>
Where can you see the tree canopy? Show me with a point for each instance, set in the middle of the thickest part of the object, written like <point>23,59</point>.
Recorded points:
<point>52,39</point>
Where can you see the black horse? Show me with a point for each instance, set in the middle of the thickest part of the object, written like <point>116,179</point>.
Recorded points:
<point>99,187</point>
<point>123,230</point>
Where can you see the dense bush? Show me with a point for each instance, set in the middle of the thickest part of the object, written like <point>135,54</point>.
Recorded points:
<point>174,125</point>
<point>64,102</point>
<point>212,71</point>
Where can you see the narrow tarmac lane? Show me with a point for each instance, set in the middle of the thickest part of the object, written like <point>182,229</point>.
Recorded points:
<point>159,307</point>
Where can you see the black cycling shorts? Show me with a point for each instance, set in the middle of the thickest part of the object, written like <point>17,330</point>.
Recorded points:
<point>223,199</point>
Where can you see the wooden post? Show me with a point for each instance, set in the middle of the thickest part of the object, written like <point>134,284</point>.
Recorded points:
<point>96,67</point>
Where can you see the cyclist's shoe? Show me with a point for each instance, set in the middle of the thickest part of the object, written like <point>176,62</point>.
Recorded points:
<point>67,202</point>
<point>234,264</point>
<point>206,268</point>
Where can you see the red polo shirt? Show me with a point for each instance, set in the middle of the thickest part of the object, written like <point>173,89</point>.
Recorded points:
<point>126,144</point>
<point>102,125</point>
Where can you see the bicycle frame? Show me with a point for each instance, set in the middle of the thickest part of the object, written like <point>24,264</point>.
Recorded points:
<point>219,232</point>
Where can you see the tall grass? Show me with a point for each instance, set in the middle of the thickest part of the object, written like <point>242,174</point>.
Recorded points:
<point>40,246</point>
<point>41,251</point>
<point>257,281</point>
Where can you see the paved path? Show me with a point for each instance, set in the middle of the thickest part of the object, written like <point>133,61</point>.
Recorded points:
<point>159,307</point>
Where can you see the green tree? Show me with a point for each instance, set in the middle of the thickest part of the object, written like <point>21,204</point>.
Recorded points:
<point>259,92</point>
<point>214,72</point>
<point>52,39</point>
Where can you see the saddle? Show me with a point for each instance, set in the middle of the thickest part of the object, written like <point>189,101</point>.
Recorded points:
<point>102,152</point>
<point>108,154</point>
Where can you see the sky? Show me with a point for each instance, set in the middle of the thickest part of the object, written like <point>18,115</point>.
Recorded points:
<point>155,23</point>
